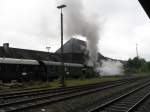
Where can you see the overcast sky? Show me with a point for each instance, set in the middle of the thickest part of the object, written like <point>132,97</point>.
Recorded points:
<point>34,24</point>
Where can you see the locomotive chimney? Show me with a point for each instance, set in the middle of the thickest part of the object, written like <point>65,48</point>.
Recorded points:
<point>6,47</point>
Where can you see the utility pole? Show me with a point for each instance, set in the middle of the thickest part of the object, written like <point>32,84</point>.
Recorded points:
<point>62,80</point>
<point>48,50</point>
<point>137,51</point>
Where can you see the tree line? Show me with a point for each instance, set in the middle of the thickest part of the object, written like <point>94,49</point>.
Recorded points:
<point>137,65</point>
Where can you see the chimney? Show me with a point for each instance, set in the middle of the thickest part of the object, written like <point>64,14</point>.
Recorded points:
<point>6,47</point>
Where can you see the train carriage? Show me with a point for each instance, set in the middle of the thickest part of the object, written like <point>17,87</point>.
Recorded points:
<point>17,69</point>
<point>24,69</point>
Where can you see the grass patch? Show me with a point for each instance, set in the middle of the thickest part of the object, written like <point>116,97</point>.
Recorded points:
<point>140,74</point>
<point>76,82</point>
<point>54,84</point>
<point>8,87</point>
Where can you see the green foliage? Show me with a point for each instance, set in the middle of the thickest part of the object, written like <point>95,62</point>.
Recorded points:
<point>76,82</point>
<point>148,65</point>
<point>137,65</point>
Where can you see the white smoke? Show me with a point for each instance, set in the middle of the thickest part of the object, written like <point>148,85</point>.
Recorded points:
<point>109,68</point>
<point>78,23</point>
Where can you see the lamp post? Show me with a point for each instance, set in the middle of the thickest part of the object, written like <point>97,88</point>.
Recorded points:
<point>62,80</point>
<point>48,50</point>
<point>137,51</point>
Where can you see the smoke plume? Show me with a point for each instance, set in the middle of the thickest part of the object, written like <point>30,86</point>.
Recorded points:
<point>78,23</point>
<point>110,67</point>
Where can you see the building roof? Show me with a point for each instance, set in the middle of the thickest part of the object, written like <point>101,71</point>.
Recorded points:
<point>73,46</point>
<point>17,53</point>
<point>146,6</point>
<point>74,52</point>
<point>24,54</point>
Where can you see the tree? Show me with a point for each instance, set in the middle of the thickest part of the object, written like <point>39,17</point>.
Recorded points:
<point>136,65</point>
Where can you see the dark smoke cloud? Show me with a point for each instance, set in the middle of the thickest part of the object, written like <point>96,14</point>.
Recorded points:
<point>79,23</point>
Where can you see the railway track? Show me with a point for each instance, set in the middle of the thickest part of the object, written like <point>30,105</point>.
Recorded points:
<point>57,95</point>
<point>47,91</point>
<point>128,102</point>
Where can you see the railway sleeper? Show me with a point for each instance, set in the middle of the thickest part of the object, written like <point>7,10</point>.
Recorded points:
<point>112,110</point>
<point>135,98</point>
<point>119,107</point>
<point>121,104</point>
<point>128,102</point>
<point>124,103</point>
<point>146,109</point>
